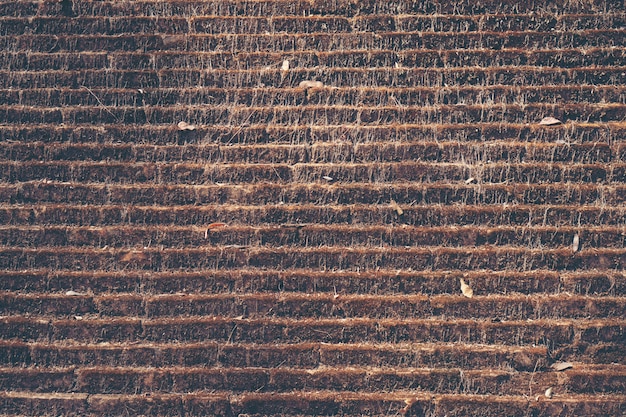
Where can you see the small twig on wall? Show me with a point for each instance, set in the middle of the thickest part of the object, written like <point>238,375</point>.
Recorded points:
<point>100,102</point>
<point>530,383</point>
<point>243,124</point>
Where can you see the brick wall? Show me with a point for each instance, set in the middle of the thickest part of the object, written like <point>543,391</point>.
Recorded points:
<point>296,248</point>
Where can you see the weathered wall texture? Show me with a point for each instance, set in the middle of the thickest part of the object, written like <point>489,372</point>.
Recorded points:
<point>298,249</point>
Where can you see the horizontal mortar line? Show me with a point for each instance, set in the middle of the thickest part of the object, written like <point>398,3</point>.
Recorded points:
<point>215,167</point>
<point>328,165</point>
<point>400,396</point>
<point>434,16</point>
<point>378,35</point>
<point>300,70</point>
<point>404,186</point>
<point>372,53</point>
<point>310,401</point>
<point>330,17</point>
<point>170,128</point>
<point>534,208</point>
<point>388,70</point>
<point>270,106</point>
<point>365,370</point>
<point>400,18</point>
<point>436,300</point>
<point>293,116</point>
<point>223,250</point>
<point>357,228</point>
<point>228,395</point>
<point>342,177</point>
<point>274,108</point>
<point>30,395</point>
<point>578,323</point>
<point>322,190</point>
<point>400,346</point>
<point>434,127</point>
<point>360,89</point>
<point>241,273</point>
<point>381,89</point>
<point>251,2</point>
<point>86,20</point>
<point>249,27</point>
<point>305,7</point>
<point>321,370</point>
<point>413,396</point>
<point>356,147</point>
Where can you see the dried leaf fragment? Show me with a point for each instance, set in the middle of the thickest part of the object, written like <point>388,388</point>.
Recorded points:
<point>396,207</point>
<point>466,289</point>
<point>240,247</point>
<point>548,393</point>
<point>409,403</point>
<point>213,226</point>
<point>575,243</point>
<point>561,366</point>
<point>285,66</point>
<point>550,121</point>
<point>173,40</point>
<point>185,126</point>
<point>134,256</point>
<point>73,293</point>
<point>311,84</point>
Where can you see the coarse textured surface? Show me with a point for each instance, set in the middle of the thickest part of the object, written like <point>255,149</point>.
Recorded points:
<point>295,249</point>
